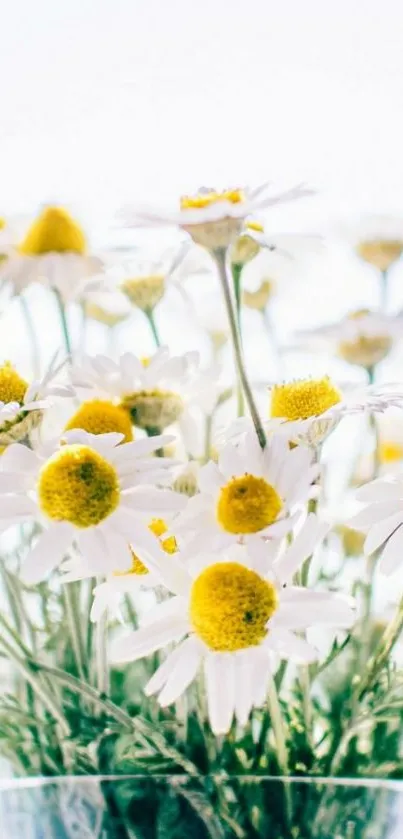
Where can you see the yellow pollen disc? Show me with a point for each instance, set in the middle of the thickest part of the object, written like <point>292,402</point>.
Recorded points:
<point>390,452</point>
<point>254,225</point>
<point>12,387</point>
<point>230,607</point>
<point>99,417</point>
<point>153,408</point>
<point>304,398</point>
<point>381,253</point>
<point>247,505</point>
<point>79,486</point>
<point>206,199</point>
<point>3,223</point>
<point>158,527</point>
<point>353,540</point>
<point>54,231</point>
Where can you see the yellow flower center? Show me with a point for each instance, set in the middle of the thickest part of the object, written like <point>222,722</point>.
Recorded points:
<point>353,540</point>
<point>255,226</point>
<point>390,452</point>
<point>99,417</point>
<point>230,607</point>
<point>304,398</point>
<point>209,197</point>
<point>365,351</point>
<point>3,223</point>
<point>144,292</point>
<point>153,408</point>
<point>247,505</point>
<point>380,253</point>
<point>54,231</point>
<point>79,486</point>
<point>158,527</point>
<point>12,387</point>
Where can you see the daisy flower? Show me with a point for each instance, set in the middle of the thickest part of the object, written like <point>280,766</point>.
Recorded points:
<point>106,306</point>
<point>87,490</point>
<point>361,337</point>
<point>250,495</point>
<point>214,219</point>
<point>155,392</point>
<point>22,403</point>
<point>382,520</point>
<point>54,250</point>
<point>233,620</point>
<point>307,410</point>
<point>145,278</point>
<point>108,594</point>
<point>378,240</point>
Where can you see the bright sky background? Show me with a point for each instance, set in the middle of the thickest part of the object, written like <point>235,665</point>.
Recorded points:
<point>108,100</point>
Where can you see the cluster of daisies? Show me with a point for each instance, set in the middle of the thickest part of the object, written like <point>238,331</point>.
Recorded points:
<point>225,545</point>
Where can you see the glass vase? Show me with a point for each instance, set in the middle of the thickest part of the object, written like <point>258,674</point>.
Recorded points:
<point>204,807</point>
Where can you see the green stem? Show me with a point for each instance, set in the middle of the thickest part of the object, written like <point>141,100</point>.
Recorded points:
<point>63,322</point>
<point>220,257</point>
<point>384,290</point>
<point>280,738</point>
<point>137,724</point>
<point>236,269</point>
<point>26,312</point>
<point>73,616</point>
<point>47,701</point>
<point>149,313</point>
<point>208,427</point>
<point>101,656</point>
<point>383,651</point>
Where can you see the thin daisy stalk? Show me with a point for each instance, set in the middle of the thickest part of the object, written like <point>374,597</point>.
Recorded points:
<point>153,327</point>
<point>101,656</point>
<point>381,655</point>
<point>236,269</point>
<point>63,322</point>
<point>220,257</point>
<point>280,738</point>
<point>26,313</point>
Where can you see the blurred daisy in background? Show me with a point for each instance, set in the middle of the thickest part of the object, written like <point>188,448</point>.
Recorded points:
<point>94,491</point>
<point>234,620</point>
<point>362,337</point>
<point>378,239</point>
<point>214,219</point>
<point>144,278</point>
<point>54,251</point>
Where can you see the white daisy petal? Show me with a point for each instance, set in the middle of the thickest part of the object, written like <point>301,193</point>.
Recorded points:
<point>381,531</point>
<point>304,544</point>
<point>230,462</point>
<point>16,506</point>
<point>210,478</point>
<point>300,608</point>
<point>183,671</point>
<point>244,693</point>
<point>366,517</point>
<point>47,553</point>
<point>19,458</point>
<point>392,555</point>
<point>161,675</point>
<point>288,645</point>
<point>219,671</point>
<point>380,491</point>
<point>148,639</point>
